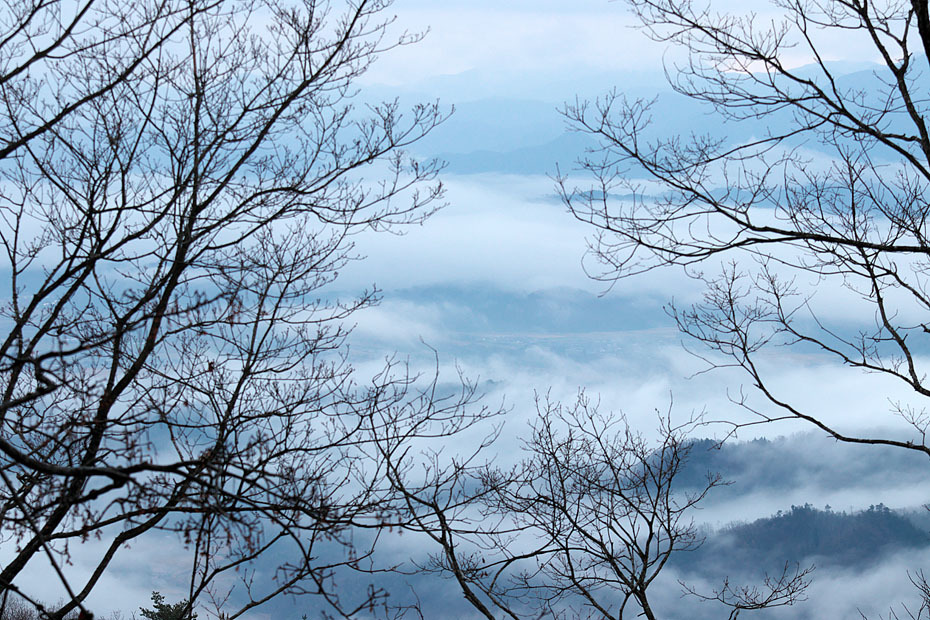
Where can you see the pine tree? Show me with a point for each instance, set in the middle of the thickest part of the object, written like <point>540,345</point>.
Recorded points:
<point>165,611</point>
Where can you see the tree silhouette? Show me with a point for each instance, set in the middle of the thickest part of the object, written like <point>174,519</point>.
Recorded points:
<point>182,181</point>
<point>164,611</point>
<point>758,220</point>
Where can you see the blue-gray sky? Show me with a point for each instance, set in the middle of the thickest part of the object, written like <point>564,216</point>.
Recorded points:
<point>507,68</point>
<point>496,281</point>
<point>549,40</point>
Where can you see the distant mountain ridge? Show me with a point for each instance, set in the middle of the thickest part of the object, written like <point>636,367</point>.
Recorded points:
<point>520,131</point>
<point>850,538</point>
<point>804,535</point>
<point>805,459</point>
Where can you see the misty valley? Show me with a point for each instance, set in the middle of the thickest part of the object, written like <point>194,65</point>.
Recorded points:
<point>404,309</point>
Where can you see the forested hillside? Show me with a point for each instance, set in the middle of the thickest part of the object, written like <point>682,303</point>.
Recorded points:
<point>805,535</point>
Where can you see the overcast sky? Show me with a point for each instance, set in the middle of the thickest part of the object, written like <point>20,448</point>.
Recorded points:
<point>556,38</point>
<point>503,37</point>
<point>510,233</point>
<point>506,236</point>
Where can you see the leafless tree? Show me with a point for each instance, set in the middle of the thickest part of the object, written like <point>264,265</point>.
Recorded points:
<point>762,222</point>
<point>579,528</point>
<point>784,588</point>
<point>181,182</point>
<point>774,218</point>
<point>914,612</point>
